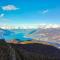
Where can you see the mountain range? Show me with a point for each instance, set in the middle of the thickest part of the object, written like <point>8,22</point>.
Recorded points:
<point>31,26</point>
<point>48,35</point>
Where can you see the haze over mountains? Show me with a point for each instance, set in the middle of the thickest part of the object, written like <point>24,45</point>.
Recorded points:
<point>30,26</point>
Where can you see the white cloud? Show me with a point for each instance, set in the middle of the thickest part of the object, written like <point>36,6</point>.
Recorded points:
<point>9,7</point>
<point>1,15</point>
<point>45,11</point>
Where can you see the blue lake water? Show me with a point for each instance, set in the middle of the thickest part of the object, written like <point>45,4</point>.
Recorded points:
<point>19,36</point>
<point>11,35</point>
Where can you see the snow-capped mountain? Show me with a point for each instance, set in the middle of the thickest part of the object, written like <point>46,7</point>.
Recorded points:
<point>44,26</point>
<point>31,26</point>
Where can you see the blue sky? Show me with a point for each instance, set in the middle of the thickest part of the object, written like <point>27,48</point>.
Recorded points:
<point>29,12</point>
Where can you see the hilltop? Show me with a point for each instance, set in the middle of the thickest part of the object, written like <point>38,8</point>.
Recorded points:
<point>10,51</point>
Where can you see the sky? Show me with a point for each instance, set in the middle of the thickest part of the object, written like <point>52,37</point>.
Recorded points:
<point>16,12</point>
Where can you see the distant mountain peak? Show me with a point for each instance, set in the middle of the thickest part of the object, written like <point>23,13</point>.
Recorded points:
<point>31,26</point>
